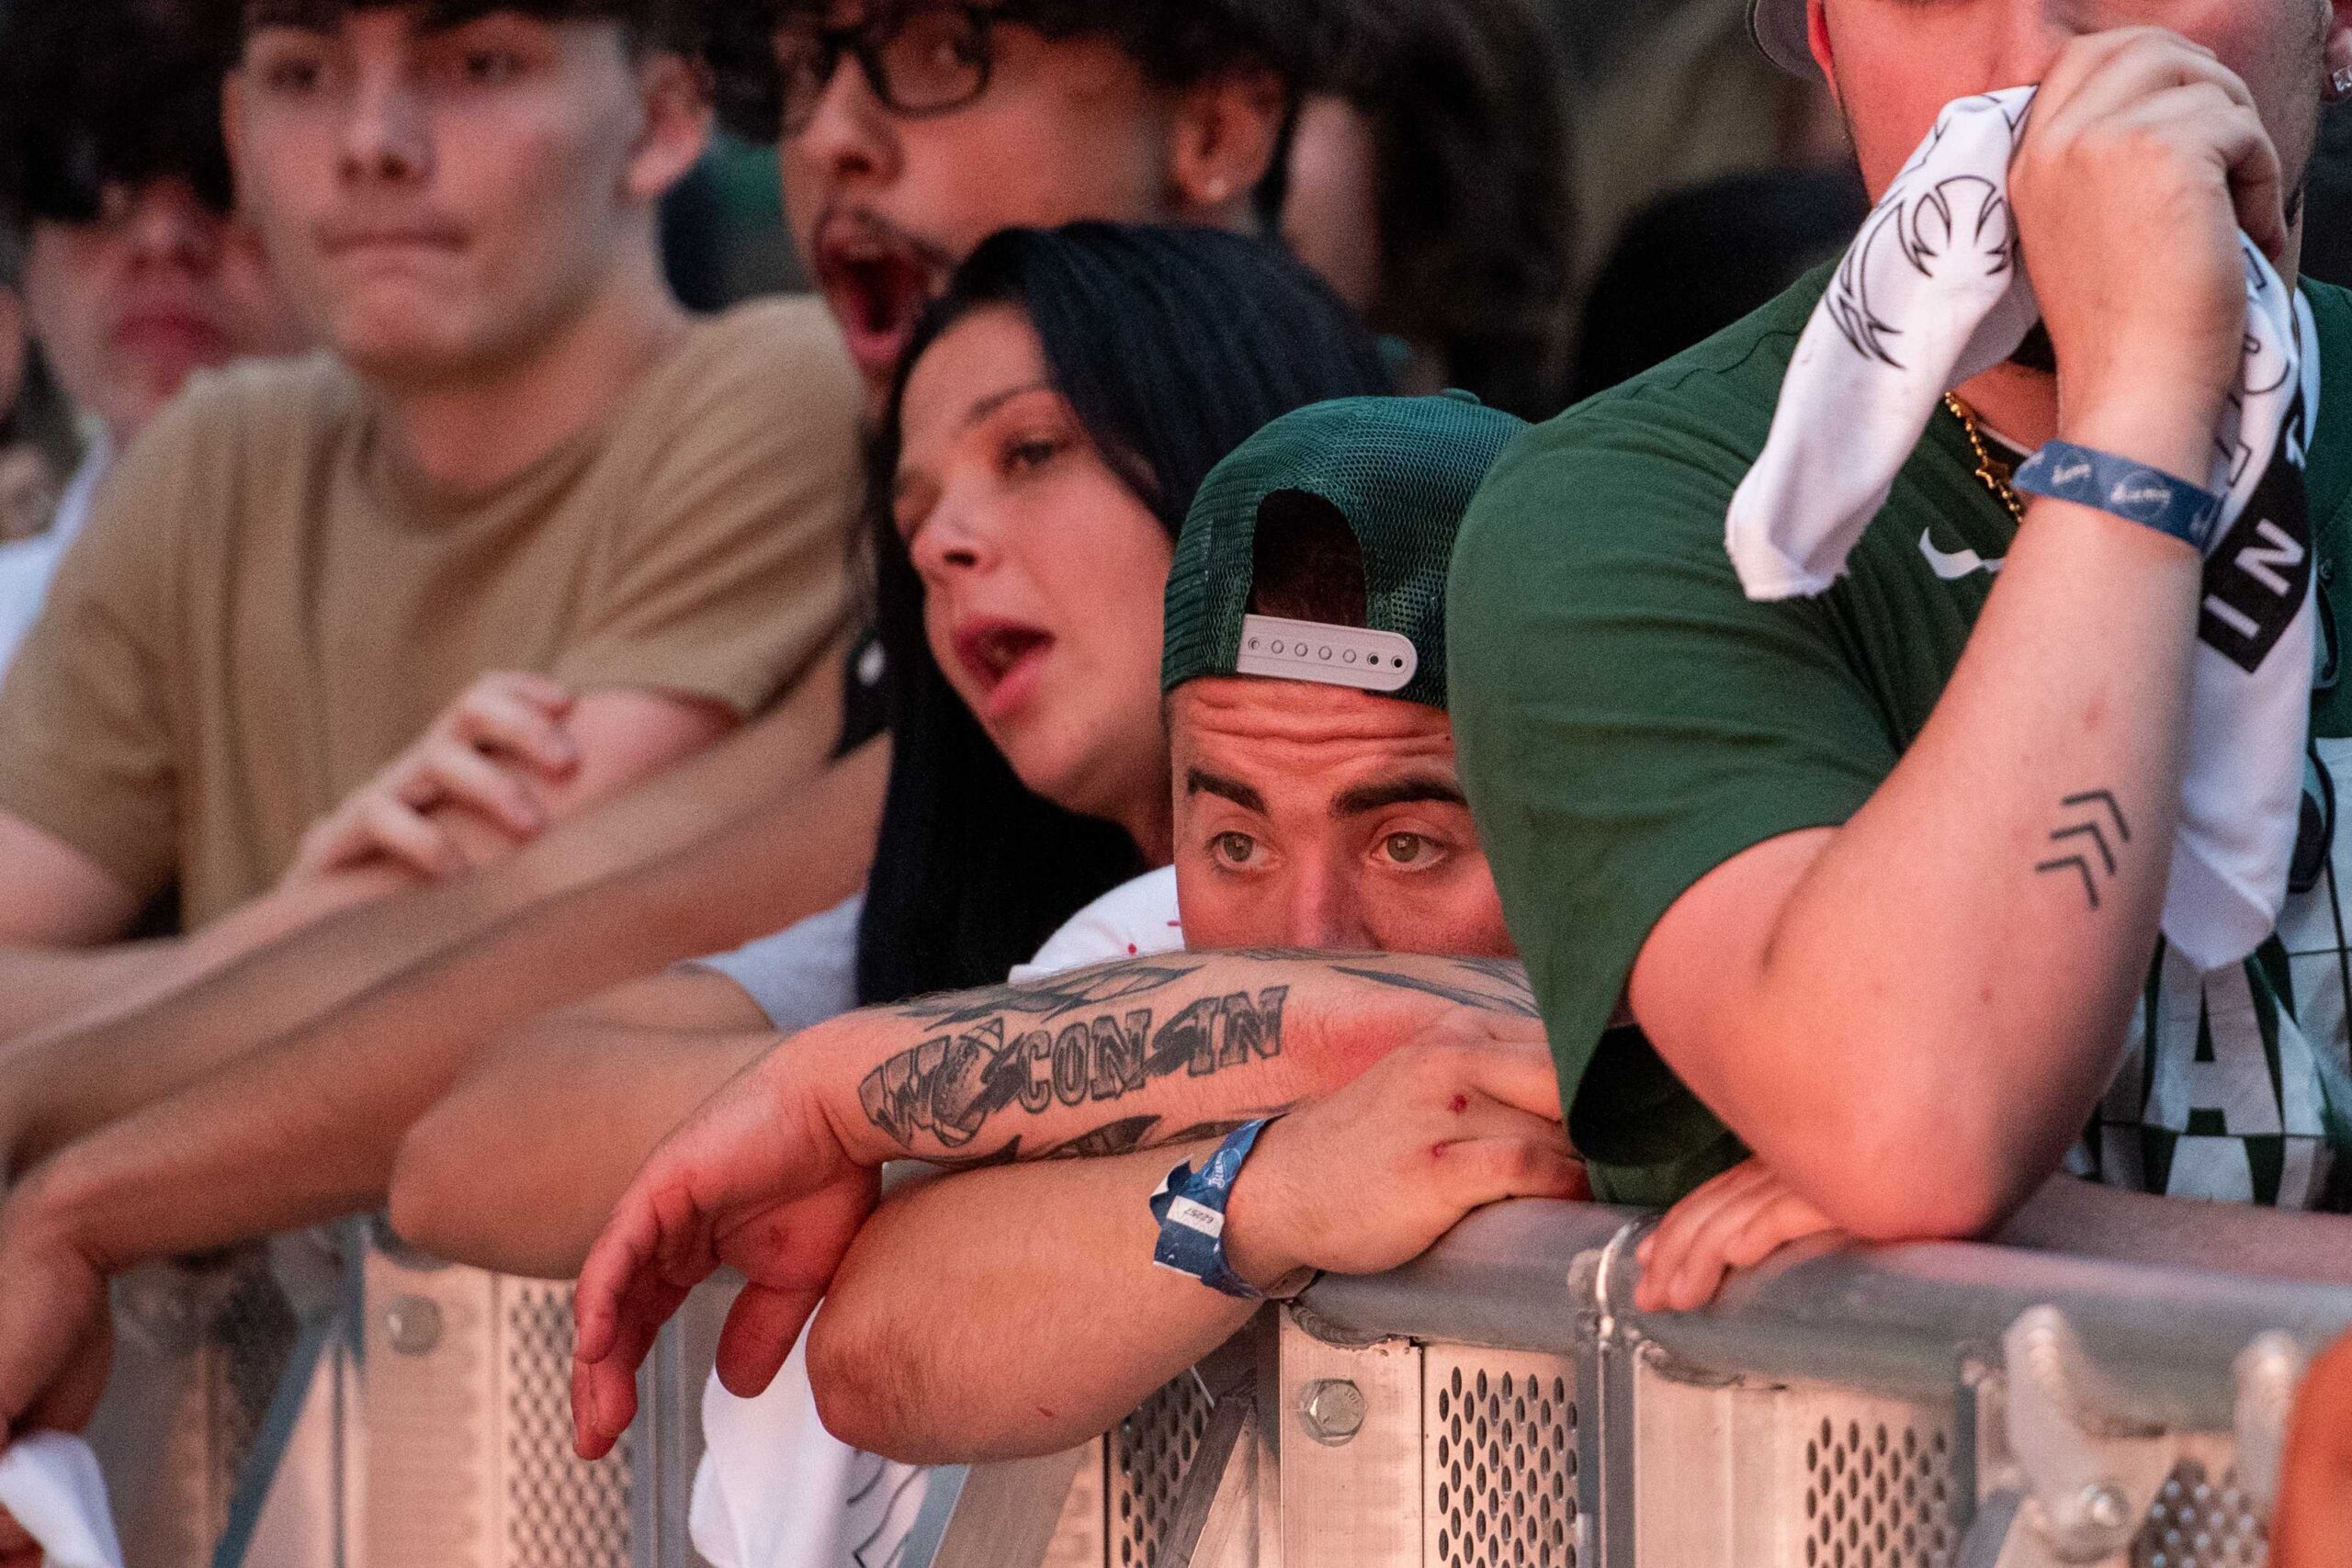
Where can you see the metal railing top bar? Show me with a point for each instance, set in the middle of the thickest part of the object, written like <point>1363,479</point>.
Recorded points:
<point>1499,1278</point>
<point>1899,1319</point>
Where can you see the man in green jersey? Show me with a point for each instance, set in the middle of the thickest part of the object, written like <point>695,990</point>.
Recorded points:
<point>1805,847</point>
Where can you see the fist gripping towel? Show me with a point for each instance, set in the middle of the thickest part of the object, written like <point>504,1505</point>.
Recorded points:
<point>1933,294</point>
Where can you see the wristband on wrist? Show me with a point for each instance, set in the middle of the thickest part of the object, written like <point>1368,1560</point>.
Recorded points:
<point>1190,1207</point>
<point>2121,488</point>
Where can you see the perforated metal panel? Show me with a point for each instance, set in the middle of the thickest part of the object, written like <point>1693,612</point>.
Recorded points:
<point>561,1512</point>
<point>1880,1492</point>
<point>1500,1456</point>
<point>1149,1455</point>
<point>2199,1522</point>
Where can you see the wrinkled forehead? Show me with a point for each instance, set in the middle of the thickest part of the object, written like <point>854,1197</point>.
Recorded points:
<point>1304,736</point>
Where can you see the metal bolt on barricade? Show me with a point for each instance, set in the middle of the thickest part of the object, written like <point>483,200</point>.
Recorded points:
<point>2106,1508</point>
<point>1332,1410</point>
<point>413,1323</point>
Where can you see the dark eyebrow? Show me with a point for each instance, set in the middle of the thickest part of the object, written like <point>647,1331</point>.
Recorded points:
<point>1199,781</point>
<point>995,401</point>
<point>1408,791</point>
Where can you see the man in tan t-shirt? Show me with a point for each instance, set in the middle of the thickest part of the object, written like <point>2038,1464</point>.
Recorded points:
<point>520,455</point>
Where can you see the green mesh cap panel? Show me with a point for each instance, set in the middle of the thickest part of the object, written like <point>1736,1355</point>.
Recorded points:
<point>1399,470</point>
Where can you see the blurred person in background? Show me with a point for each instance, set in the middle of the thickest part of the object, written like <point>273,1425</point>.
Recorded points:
<point>521,454</point>
<point>1430,180</point>
<point>136,274</point>
<point>1698,259</point>
<point>32,469</point>
<point>1674,94</point>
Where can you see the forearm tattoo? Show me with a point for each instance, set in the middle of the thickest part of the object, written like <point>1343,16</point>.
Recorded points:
<point>2091,829</point>
<point>1490,985</point>
<point>1066,1041</point>
<point>1096,1036</point>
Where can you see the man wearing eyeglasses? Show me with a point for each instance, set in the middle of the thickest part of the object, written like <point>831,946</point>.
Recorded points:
<point>913,131</point>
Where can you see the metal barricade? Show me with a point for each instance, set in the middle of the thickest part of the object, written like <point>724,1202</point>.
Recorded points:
<point>1501,1404</point>
<point>358,1404</point>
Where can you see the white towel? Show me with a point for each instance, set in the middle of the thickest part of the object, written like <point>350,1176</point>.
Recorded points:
<point>49,1483</point>
<point>1932,295</point>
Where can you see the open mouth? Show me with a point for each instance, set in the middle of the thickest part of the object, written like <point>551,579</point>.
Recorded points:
<point>877,284</point>
<point>1003,658</point>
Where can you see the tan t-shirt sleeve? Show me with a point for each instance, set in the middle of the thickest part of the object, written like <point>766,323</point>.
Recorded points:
<point>88,750</point>
<point>729,571</point>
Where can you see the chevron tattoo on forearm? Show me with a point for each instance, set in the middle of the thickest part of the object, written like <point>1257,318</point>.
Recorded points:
<point>2086,841</point>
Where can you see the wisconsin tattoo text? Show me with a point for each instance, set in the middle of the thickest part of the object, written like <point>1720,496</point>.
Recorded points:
<point>1064,1042</point>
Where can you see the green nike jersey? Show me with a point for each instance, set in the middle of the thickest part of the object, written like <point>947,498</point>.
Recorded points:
<point>1628,721</point>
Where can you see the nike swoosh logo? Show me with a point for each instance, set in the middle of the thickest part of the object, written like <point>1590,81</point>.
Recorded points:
<point>1954,565</point>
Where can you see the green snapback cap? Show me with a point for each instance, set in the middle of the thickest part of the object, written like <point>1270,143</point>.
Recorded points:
<point>1778,27</point>
<point>1399,472</point>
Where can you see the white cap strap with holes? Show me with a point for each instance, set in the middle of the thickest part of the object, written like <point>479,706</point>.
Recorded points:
<point>1334,656</point>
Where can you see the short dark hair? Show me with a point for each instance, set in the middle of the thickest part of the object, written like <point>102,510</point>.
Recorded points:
<point>1468,108</point>
<point>670,26</point>
<point>110,92</point>
<point>1177,42</point>
<point>1173,346</point>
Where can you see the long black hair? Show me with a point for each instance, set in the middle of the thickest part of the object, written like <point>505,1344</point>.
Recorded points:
<point>1173,346</point>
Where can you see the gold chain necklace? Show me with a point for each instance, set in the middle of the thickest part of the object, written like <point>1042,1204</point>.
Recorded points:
<point>1989,468</point>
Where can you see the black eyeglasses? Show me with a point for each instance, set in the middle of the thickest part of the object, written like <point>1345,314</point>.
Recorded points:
<point>919,59</point>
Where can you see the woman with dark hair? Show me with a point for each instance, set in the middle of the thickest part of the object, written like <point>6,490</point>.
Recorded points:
<point>1057,409</point>
<point>1168,348</point>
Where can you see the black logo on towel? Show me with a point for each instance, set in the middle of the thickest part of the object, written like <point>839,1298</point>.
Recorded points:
<point>2258,576</point>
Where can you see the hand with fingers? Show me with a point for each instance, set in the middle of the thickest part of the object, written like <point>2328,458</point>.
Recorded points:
<point>2142,159</point>
<point>1367,1178</point>
<point>56,1337</point>
<point>755,1180</point>
<point>497,753</point>
<point>1735,1221</point>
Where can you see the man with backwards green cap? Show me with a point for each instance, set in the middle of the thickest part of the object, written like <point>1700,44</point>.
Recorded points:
<point>1808,844</point>
<point>1316,807</point>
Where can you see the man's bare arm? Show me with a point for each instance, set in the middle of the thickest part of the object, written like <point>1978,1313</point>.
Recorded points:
<point>558,1116</point>
<point>307,1127</point>
<point>619,738</point>
<point>774,1174</point>
<point>1952,969</point>
<point>672,850</point>
<point>58,896</point>
<point>967,1321</point>
<point>1126,1054</point>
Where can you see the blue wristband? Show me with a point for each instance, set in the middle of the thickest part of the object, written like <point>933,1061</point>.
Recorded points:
<point>2121,487</point>
<point>1190,1207</point>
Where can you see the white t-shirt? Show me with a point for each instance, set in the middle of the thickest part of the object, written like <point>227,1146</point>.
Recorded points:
<point>776,1490</point>
<point>27,565</point>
